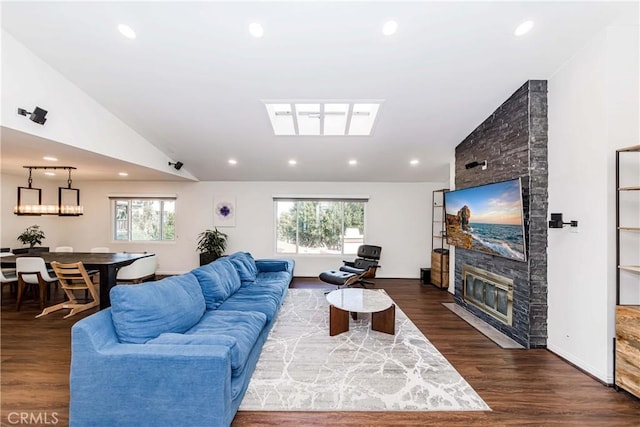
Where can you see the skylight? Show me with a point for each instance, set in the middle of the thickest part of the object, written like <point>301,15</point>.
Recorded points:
<point>322,118</point>
<point>308,116</point>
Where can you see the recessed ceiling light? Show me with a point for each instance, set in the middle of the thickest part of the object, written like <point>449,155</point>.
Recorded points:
<point>414,162</point>
<point>232,161</point>
<point>126,31</point>
<point>353,162</point>
<point>123,174</point>
<point>293,162</point>
<point>50,158</point>
<point>389,28</point>
<point>523,28</point>
<point>50,173</point>
<point>256,29</point>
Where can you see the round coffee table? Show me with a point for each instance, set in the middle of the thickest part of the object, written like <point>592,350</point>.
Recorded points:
<point>344,301</point>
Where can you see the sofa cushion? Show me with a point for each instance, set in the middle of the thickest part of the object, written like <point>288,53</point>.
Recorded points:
<point>246,266</point>
<point>238,331</point>
<point>275,276</point>
<point>240,328</point>
<point>184,339</point>
<point>253,298</point>
<point>218,280</point>
<point>264,290</point>
<point>143,312</point>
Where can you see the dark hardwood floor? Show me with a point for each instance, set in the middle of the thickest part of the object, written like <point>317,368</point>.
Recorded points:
<point>523,387</point>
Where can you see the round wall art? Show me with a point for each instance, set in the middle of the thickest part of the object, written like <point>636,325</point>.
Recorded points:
<point>224,212</point>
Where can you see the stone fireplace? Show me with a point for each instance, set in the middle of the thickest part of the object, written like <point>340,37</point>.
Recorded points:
<point>510,295</point>
<point>489,292</point>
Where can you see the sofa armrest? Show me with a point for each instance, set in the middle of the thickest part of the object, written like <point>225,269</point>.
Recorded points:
<point>174,384</point>
<point>274,265</point>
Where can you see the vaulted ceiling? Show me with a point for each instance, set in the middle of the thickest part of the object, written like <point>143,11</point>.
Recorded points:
<point>194,80</point>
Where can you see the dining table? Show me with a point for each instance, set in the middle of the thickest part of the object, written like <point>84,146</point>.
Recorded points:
<point>107,264</point>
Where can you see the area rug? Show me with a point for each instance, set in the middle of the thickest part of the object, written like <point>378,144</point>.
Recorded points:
<point>302,368</point>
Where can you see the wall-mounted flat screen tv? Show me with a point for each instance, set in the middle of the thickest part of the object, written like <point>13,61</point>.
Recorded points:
<point>487,218</point>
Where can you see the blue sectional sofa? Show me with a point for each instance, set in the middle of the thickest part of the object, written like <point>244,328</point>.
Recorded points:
<point>179,351</point>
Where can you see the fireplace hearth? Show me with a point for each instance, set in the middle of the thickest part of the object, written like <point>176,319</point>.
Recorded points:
<point>491,293</point>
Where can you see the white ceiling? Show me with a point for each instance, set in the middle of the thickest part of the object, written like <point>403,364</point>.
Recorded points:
<point>193,81</point>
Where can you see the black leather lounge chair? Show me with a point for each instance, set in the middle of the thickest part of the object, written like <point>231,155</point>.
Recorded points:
<point>357,271</point>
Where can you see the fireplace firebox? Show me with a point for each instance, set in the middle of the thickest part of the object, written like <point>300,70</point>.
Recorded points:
<point>490,292</point>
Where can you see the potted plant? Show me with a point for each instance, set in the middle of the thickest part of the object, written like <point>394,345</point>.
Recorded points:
<point>32,236</point>
<point>211,245</point>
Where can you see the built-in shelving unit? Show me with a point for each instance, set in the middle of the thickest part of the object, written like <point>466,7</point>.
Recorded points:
<point>439,245</point>
<point>627,340</point>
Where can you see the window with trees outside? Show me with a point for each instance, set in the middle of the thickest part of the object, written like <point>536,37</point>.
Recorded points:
<point>319,226</point>
<point>144,219</point>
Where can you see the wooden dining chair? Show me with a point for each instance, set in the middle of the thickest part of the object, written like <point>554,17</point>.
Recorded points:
<point>73,277</point>
<point>33,271</point>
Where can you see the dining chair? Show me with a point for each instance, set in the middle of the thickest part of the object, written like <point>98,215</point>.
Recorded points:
<point>33,271</point>
<point>138,271</point>
<point>100,249</point>
<point>73,277</point>
<point>63,249</point>
<point>9,278</point>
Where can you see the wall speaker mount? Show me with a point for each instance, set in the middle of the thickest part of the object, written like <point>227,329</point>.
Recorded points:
<point>37,116</point>
<point>177,165</point>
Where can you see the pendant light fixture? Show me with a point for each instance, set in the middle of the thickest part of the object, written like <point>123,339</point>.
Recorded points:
<point>30,198</point>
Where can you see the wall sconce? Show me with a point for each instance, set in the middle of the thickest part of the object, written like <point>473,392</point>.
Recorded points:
<point>38,115</point>
<point>30,198</point>
<point>177,165</point>
<point>476,164</point>
<point>556,221</point>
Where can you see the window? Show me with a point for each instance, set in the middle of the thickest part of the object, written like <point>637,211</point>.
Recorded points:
<point>144,219</point>
<point>319,226</point>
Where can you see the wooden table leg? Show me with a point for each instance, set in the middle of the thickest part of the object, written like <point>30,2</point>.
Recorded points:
<point>384,321</point>
<point>338,321</point>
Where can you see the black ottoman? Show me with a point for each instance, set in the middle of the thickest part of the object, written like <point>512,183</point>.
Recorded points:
<point>338,278</point>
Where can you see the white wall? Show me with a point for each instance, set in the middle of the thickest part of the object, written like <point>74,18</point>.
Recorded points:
<point>398,218</point>
<point>593,110</point>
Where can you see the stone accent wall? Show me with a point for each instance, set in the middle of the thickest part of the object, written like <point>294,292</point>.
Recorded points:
<point>513,140</point>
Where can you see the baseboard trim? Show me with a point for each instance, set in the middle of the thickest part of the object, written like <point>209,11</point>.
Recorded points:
<point>578,364</point>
